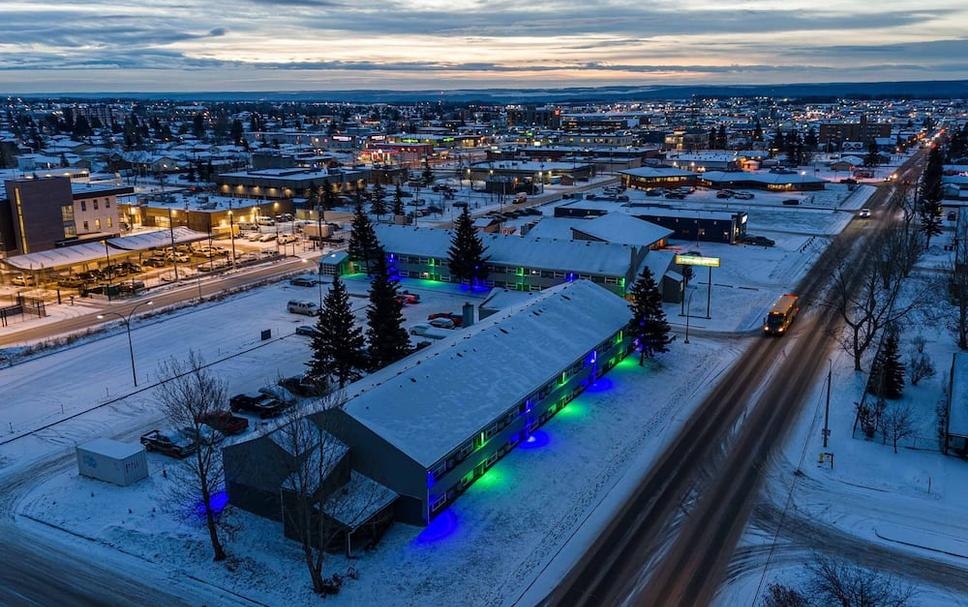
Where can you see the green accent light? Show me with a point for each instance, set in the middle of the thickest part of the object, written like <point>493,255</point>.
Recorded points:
<point>519,272</point>
<point>619,337</point>
<point>492,479</point>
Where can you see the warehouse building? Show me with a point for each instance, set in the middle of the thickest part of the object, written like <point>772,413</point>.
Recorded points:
<point>776,181</point>
<point>685,224</point>
<point>646,178</point>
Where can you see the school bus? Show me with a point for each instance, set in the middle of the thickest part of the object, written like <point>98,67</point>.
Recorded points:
<point>781,315</point>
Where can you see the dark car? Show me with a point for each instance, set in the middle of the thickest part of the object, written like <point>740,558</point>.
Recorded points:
<point>300,385</point>
<point>406,297</point>
<point>791,202</point>
<point>70,282</point>
<point>302,282</point>
<point>225,422</point>
<point>760,241</point>
<point>261,404</point>
<point>173,443</point>
<point>306,330</point>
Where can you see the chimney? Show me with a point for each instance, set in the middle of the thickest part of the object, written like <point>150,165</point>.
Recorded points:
<point>468,314</point>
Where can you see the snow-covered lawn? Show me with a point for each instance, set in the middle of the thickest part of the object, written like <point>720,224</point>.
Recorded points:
<point>485,549</point>
<point>914,501</point>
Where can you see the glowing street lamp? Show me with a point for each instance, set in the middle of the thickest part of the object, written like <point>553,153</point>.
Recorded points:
<point>127,325</point>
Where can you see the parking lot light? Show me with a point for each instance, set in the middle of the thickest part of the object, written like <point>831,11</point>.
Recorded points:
<point>127,325</point>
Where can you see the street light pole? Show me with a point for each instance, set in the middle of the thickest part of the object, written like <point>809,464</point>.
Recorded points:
<point>688,314</point>
<point>127,325</point>
<point>171,233</point>
<point>826,412</point>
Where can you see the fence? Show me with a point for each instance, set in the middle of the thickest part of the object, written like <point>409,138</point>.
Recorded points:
<point>24,305</point>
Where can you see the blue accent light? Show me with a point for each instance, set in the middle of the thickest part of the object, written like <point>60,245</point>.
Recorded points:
<point>602,384</point>
<point>538,439</point>
<point>440,528</point>
<point>216,503</point>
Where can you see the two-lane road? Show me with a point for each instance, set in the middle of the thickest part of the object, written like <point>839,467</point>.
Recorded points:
<point>670,542</point>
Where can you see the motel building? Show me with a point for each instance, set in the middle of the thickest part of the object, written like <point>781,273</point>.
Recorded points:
<point>426,428</point>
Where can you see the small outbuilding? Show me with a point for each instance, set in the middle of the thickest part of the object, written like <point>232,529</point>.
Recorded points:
<point>112,461</point>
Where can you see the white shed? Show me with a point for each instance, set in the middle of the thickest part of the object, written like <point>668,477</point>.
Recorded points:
<point>112,461</point>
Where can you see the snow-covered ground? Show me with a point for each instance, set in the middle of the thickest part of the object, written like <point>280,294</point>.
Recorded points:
<point>536,505</point>
<point>227,333</point>
<point>915,501</point>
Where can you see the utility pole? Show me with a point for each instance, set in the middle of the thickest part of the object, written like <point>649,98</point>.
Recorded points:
<point>826,412</point>
<point>171,233</point>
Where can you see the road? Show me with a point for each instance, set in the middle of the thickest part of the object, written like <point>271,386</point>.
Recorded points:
<point>670,543</point>
<point>189,291</point>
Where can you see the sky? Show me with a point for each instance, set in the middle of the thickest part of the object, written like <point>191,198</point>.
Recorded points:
<point>290,45</point>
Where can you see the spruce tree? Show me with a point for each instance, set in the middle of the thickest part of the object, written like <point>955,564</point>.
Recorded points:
<point>338,346</point>
<point>363,243</point>
<point>649,325</point>
<point>377,206</point>
<point>386,338</point>
<point>887,371</point>
<point>398,201</point>
<point>467,259</point>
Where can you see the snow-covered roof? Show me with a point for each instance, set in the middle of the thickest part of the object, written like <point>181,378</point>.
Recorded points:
<point>760,177</point>
<point>655,172</point>
<point>554,227</point>
<point>958,415</point>
<point>112,448</point>
<point>480,372</point>
<point>623,229</point>
<point>158,238</point>
<point>355,502</point>
<point>584,257</point>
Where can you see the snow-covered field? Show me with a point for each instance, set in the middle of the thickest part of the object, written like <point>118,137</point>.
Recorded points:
<point>486,549</point>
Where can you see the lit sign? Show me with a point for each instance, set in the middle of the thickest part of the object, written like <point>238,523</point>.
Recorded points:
<point>695,260</point>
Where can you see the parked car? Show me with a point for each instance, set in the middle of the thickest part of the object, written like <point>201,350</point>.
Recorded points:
<point>22,280</point>
<point>225,422</point>
<point>301,385</point>
<point>174,443</point>
<point>254,236</point>
<point>429,331</point>
<point>760,241</point>
<point>456,319</point>
<point>155,262</point>
<point>300,281</point>
<point>792,202</point>
<point>262,405</point>
<point>131,267</point>
<point>279,393</point>
<point>267,237</point>
<point>864,213</point>
<point>744,196</point>
<point>411,298</point>
<point>306,308</point>
<point>306,330</point>
<point>70,282</point>
<point>675,196</point>
<point>654,192</point>
<point>288,238</point>
<point>443,323</point>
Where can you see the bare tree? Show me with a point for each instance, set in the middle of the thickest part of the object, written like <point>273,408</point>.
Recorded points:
<point>322,497</point>
<point>897,423</point>
<point>958,284</point>
<point>192,395</point>
<point>866,308</point>
<point>778,595</point>
<point>920,367</point>
<point>839,583</point>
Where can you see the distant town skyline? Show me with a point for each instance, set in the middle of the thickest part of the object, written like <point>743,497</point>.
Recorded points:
<point>266,45</point>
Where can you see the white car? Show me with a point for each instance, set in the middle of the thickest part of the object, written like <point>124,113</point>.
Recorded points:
<point>442,323</point>
<point>267,238</point>
<point>864,213</point>
<point>287,238</point>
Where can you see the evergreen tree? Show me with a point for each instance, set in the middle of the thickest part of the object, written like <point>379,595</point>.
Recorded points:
<point>467,260</point>
<point>873,157</point>
<point>930,195</point>
<point>238,133</point>
<point>329,196</point>
<point>810,140</point>
<point>778,142</point>
<point>648,324</point>
<point>757,131</point>
<point>887,370</point>
<point>722,141</point>
<point>338,345</point>
<point>198,126</point>
<point>398,201</point>
<point>386,338</point>
<point>428,175</point>
<point>363,247</point>
<point>711,143</point>
<point>377,206</point>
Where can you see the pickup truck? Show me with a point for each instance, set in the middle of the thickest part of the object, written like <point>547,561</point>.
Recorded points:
<point>225,422</point>
<point>173,443</point>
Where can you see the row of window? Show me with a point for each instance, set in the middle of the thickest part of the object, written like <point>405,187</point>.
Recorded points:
<point>95,201</point>
<point>521,408</point>
<point>97,224</point>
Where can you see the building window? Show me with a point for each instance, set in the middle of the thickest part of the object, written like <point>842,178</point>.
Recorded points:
<point>83,206</point>
<point>95,204</point>
<point>97,224</point>
<point>86,228</point>
<point>110,222</point>
<point>107,203</point>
